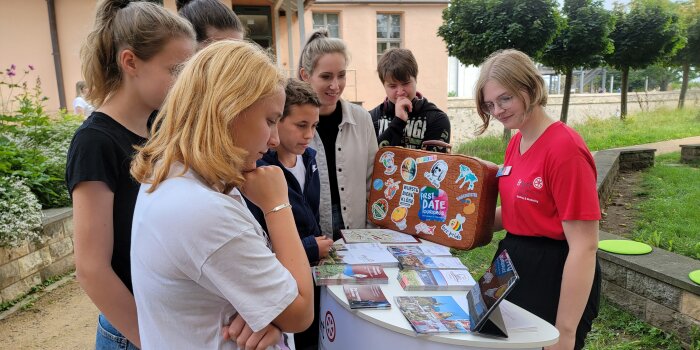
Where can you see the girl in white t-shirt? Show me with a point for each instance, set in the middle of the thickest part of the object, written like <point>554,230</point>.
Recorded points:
<point>199,258</point>
<point>80,105</point>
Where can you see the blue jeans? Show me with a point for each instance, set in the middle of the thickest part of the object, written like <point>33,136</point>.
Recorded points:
<point>109,338</point>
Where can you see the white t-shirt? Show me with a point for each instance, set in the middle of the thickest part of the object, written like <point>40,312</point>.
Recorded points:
<point>198,257</point>
<point>82,103</point>
<point>299,172</point>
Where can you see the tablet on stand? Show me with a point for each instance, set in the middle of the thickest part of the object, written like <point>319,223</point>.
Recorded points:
<point>485,296</point>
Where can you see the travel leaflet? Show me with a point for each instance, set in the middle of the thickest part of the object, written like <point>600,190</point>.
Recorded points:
<point>360,254</point>
<point>381,235</point>
<point>436,280</point>
<point>333,274</point>
<point>366,297</point>
<point>422,249</point>
<point>422,262</point>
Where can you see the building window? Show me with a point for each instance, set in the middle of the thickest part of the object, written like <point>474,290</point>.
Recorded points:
<point>388,32</point>
<point>328,21</point>
<point>257,21</point>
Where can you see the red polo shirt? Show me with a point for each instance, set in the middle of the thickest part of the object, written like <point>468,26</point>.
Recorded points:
<point>554,180</point>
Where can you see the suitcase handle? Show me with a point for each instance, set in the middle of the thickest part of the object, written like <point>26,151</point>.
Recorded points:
<point>438,143</point>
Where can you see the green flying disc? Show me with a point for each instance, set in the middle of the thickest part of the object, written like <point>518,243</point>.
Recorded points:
<point>695,276</point>
<point>620,246</point>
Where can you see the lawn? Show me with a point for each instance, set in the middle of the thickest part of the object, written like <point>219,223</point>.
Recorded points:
<point>616,329</point>
<point>638,128</point>
<point>668,216</point>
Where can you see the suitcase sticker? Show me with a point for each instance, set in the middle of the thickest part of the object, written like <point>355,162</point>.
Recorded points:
<point>445,198</point>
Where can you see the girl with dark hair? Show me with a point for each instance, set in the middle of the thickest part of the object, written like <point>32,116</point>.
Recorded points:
<point>212,21</point>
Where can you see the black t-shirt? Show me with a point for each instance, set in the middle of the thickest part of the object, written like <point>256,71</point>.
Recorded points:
<point>327,129</point>
<point>102,150</point>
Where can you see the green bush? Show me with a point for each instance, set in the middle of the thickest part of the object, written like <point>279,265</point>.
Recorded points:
<point>33,146</point>
<point>20,213</point>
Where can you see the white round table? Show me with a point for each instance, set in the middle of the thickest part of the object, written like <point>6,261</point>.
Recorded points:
<point>365,329</point>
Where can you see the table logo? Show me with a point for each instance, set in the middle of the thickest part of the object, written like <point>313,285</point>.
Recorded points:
<point>329,324</point>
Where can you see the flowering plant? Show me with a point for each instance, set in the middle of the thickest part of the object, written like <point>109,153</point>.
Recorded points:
<point>33,146</point>
<point>20,213</point>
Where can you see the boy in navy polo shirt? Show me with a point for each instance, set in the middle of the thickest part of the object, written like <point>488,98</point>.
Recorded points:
<point>298,162</point>
<point>296,130</point>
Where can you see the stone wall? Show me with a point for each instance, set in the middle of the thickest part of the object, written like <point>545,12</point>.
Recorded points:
<point>690,153</point>
<point>30,264</point>
<point>465,121</point>
<point>653,287</point>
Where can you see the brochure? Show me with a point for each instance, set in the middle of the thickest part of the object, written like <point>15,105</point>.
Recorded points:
<point>366,297</point>
<point>360,254</point>
<point>419,249</point>
<point>477,311</point>
<point>422,262</point>
<point>377,235</point>
<point>440,314</point>
<point>436,280</point>
<point>349,274</point>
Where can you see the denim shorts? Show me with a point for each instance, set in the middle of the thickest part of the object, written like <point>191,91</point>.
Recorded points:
<point>109,338</point>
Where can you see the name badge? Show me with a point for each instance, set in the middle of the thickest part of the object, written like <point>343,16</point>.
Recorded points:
<point>503,171</point>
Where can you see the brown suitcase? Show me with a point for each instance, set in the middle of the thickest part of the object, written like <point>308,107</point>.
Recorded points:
<point>448,199</point>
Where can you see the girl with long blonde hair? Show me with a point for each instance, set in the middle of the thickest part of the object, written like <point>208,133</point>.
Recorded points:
<point>214,262</point>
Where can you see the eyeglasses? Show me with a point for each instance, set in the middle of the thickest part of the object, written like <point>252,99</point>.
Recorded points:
<point>503,102</point>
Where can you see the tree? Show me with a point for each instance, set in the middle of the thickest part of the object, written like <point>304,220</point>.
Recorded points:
<point>655,76</point>
<point>473,29</point>
<point>690,54</point>
<point>582,42</point>
<point>646,34</point>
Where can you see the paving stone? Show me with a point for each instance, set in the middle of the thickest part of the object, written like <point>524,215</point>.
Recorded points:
<point>614,273</point>
<point>690,305</point>
<point>19,288</point>
<point>636,158</point>
<point>670,321</point>
<point>50,216</point>
<point>654,289</point>
<point>61,248</point>
<point>690,153</point>
<point>8,254</point>
<point>9,274</point>
<point>31,262</point>
<point>53,230</point>
<point>68,226</point>
<point>59,267</point>
<point>633,303</point>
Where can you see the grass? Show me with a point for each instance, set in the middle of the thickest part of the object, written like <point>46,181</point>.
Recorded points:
<point>479,259</point>
<point>638,128</point>
<point>616,329</point>
<point>669,217</point>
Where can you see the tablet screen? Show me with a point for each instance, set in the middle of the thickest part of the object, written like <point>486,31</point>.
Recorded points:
<point>492,287</point>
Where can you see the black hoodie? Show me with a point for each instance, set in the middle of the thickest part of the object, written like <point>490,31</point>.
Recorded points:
<point>425,122</point>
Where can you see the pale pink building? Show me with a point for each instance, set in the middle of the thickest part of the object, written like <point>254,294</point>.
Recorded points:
<point>367,27</point>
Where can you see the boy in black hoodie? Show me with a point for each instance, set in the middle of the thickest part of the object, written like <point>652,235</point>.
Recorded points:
<point>406,118</point>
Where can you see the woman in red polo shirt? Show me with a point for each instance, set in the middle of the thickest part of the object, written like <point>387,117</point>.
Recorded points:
<point>549,202</point>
